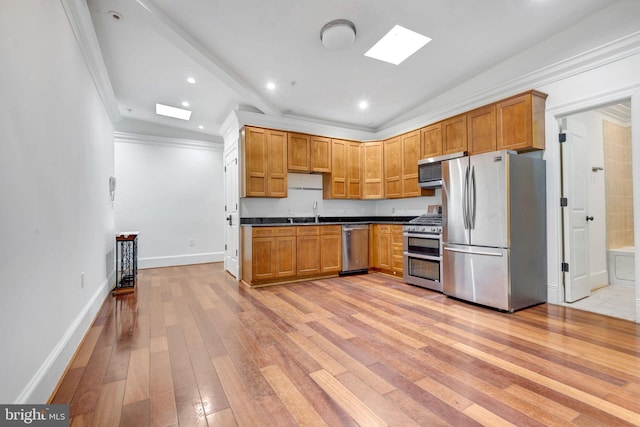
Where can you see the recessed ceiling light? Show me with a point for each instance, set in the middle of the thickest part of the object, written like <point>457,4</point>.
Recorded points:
<point>271,85</point>
<point>397,45</point>
<point>200,127</point>
<point>177,113</point>
<point>191,80</point>
<point>185,104</point>
<point>363,105</point>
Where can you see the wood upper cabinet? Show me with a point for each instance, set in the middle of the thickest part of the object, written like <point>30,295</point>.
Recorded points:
<point>520,122</point>
<point>335,184</point>
<point>299,152</point>
<point>454,134</point>
<point>393,168</point>
<point>481,129</point>
<point>320,154</point>
<point>410,157</point>
<point>372,154</point>
<point>431,141</point>
<point>354,170</point>
<point>265,162</point>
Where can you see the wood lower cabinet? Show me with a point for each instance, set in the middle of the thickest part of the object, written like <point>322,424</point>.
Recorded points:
<point>520,122</point>
<point>396,250</point>
<point>386,247</point>
<point>330,249</point>
<point>283,254</point>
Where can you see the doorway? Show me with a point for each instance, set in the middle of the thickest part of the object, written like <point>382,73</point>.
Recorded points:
<point>598,223</point>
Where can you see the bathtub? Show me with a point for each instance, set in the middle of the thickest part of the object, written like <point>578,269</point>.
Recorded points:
<point>622,266</point>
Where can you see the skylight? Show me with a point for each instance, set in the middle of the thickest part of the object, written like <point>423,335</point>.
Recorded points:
<point>397,45</point>
<point>177,113</point>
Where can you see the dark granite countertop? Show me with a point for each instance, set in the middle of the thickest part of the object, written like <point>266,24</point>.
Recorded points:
<point>325,220</point>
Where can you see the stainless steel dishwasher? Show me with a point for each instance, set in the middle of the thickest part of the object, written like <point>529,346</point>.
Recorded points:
<point>355,249</point>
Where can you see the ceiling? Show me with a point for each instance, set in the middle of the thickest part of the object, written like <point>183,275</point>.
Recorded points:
<point>234,47</point>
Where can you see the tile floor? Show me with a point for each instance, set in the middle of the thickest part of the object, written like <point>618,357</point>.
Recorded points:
<point>615,301</point>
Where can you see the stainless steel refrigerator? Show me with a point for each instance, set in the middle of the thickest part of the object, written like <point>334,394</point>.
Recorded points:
<point>494,230</point>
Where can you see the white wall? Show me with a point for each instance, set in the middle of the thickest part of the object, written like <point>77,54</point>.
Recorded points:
<point>172,192</point>
<point>56,220</point>
<point>304,189</point>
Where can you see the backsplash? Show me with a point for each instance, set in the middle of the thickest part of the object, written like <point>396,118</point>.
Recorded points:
<point>305,189</point>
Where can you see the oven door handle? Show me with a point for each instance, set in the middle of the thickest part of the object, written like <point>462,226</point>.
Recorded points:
<point>425,257</point>
<point>461,251</point>
<point>434,236</point>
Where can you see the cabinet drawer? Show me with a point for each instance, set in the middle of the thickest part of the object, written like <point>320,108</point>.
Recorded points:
<point>330,229</point>
<point>384,228</point>
<point>308,230</point>
<point>273,231</point>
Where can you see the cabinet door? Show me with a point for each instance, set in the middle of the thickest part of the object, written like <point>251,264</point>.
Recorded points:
<point>481,130</point>
<point>335,184</point>
<point>384,251</point>
<point>263,260</point>
<point>431,141</point>
<point>320,154</point>
<point>330,253</point>
<point>410,157</point>
<point>396,250</point>
<point>354,170</point>
<point>373,170</point>
<point>454,134</point>
<point>285,256</point>
<point>298,152</point>
<point>392,168</point>
<point>308,251</point>
<point>277,164</point>
<point>521,122</point>
<point>255,164</point>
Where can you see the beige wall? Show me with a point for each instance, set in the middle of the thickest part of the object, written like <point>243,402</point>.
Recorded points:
<point>619,185</point>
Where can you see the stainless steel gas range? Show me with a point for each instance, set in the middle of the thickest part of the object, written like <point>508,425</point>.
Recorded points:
<point>422,251</point>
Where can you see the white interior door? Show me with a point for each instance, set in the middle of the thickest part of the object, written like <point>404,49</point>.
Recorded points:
<point>576,229</point>
<point>232,229</point>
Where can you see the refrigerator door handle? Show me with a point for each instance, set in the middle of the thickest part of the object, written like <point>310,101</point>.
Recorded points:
<point>465,199</point>
<point>462,251</point>
<point>472,220</point>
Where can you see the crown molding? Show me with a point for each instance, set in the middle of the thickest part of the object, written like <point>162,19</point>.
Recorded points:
<point>600,56</point>
<point>79,19</point>
<point>133,138</point>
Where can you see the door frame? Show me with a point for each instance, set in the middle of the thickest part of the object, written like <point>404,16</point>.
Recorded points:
<point>555,275</point>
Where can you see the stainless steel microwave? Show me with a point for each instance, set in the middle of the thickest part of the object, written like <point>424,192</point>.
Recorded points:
<point>430,170</point>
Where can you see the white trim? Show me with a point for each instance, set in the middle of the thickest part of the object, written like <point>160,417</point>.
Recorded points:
<point>80,21</point>
<point>47,376</point>
<point>561,70</point>
<point>133,138</point>
<point>175,260</point>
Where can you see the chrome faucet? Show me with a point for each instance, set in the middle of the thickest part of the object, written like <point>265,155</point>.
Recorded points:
<point>290,220</point>
<point>315,211</point>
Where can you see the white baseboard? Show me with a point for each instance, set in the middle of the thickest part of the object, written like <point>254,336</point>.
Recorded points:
<point>44,381</point>
<point>174,260</point>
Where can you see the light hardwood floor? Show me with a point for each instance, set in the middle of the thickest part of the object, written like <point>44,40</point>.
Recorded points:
<point>192,347</point>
